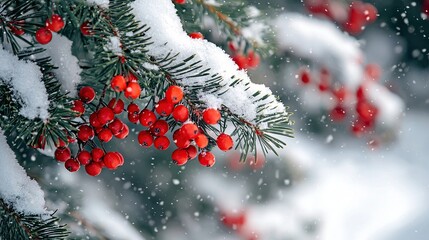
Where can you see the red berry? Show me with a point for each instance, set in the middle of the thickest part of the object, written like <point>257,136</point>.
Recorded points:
<point>112,160</point>
<point>159,128</point>
<point>116,126</point>
<point>373,71</point>
<point>206,159</point>
<point>180,139</point>
<point>192,151</point>
<point>122,160</point>
<point>60,143</point>
<point>118,83</point>
<point>253,59</point>
<point>196,35</point>
<point>305,76</point>
<point>370,12</point>
<point>78,107</point>
<point>224,142</point>
<point>366,110</point>
<point>124,133</point>
<point>133,108</point>
<point>93,169</point>
<point>360,93</point>
<point>55,23</point>
<point>131,77</point>
<point>164,107</point>
<point>93,120</point>
<point>190,130</point>
<point>201,140</point>
<point>180,1</point>
<point>87,94</point>
<point>133,117</point>
<point>211,116</point>
<point>180,156</point>
<point>85,29</point>
<point>147,118</point>
<point>240,60</point>
<point>117,105</point>
<point>84,157</point>
<point>105,115</point>
<point>72,165</point>
<point>338,113</point>
<point>180,113</point>
<point>85,133</point>
<point>133,90</point>
<point>145,138</point>
<point>17,30</point>
<point>62,154</point>
<point>340,93</point>
<point>97,154</point>
<point>174,94</point>
<point>105,135</point>
<point>43,35</point>
<point>161,143</point>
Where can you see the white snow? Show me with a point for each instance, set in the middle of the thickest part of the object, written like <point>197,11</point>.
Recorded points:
<point>114,45</point>
<point>25,79</point>
<point>68,72</point>
<point>16,188</point>
<point>168,36</point>
<point>101,3</point>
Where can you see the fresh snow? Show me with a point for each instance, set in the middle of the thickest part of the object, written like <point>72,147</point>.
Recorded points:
<point>101,3</point>
<point>25,79</point>
<point>168,36</point>
<point>68,72</point>
<point>16,188</point>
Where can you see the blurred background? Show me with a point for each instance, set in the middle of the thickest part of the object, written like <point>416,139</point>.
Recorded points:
<point>356,76</point>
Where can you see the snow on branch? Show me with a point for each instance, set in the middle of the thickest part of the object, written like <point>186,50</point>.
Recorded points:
<point>16,188</point>
<point>25,79</point>
<point>166,32</point>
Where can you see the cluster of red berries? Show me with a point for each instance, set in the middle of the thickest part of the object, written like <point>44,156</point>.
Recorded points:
<point>53,24</point>
<point>366,111</point>
<point>249,61</point>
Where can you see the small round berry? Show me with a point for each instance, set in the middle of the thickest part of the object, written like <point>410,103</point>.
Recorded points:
<point>305,76</point>
<point>211,116</point>
<point>180,156</point>
<point>145,138</point>
<point>112,160</point>
<point>87,94</point>
<point>85,29</point>
<point>190,130</point>
<point>85,133</point>
<point>78,107</point>
<point>180,140</point>
<point>159,128</point>
<point>366,110</point>
<point>253,59</point>
<point>43,35</point>
<point>116,126</point>
<point>240,60</point>
<point>93,169</point>
<point>192,151</point>
<point>206,159</point>
<point>72,165</point>
<point>147,118</point>
<point>133,90</point>
<point>97,154</point>
<point>117,105</point>
<point>161,143</point>
<point>105,135</point>
<point>84,157</point>
<point>338,113</point>
<point>93,120</point>
<point>105,115</point>
<point>60,143</point>
<point>180,113</point>
<point>133,117</point>
<point>124,133</point>
<point>196,35</point>
<point>17,30</point>
<point>118,83</point>
<point>224,142</point>
<point>133,108</point>
<point>131,77</point>
<point>174,94</point>
<point>201,140</point>
<point>164,107</point>
<point>55,23</point>
<point>180,1</point>
<point>62,154</point>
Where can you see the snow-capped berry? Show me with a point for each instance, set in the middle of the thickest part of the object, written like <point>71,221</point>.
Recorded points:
<point>206,159</point>
<point>87,94</point>
<point>55,23</point>
<point>338,113</point>
<point>118,83</point>
<point>161,143</point>
<point>164,107</point>
<point>62,154</point>
<point>97,154</point>
<point>78,107</point>
<point>159,128</point>
<point>93,120</point>
<point>133,90</point>
<point>211,116</point>
<point>117,105</point>
<point>112,160</point>
<point>180,113</point>
<point>43,35</point>
<point>201,140</point>
<point>180,156</point>
<point>105,135</point>
<point>180,1</point>
<point>147,118</point>
<point>133,108</point>
<point>145,138</point>
<point>85,133</point>
<point>174,94</point>
<point>84,157</point>
<point>124,133</point>
<point>116,126</point>
<point>190,130</point>
<point>72,165</point>
<point>196,35</point>
<point>93,169</point>
<point>224,142</point>
<point>192,151</point>
<point>180,139</point>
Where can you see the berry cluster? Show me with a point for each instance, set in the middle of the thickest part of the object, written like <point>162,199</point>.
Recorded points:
<point>249,61</point>
<point>53,24</point>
